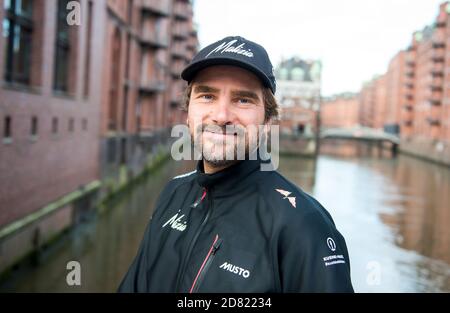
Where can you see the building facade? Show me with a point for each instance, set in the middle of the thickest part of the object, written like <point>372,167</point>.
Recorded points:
<point>395,93</point>
<point>340,111</point>
<point>412,99</point>
<point>298,94</point>
<point>88,91</point>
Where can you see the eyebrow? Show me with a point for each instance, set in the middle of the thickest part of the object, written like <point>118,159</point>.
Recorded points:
<point>234,93</point>
<point>204,88</point>
<point>245,94</point>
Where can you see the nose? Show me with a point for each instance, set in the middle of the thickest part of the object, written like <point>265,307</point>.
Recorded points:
<point>221,114</point>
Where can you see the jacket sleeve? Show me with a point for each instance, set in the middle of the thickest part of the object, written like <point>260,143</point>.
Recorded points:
<point>313,256</point>
<point>136,279</point>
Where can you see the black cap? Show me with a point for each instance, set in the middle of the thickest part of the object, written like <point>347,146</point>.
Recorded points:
<point>234,50</point>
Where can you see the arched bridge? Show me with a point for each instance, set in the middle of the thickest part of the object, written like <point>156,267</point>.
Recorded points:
<point>359,133</point>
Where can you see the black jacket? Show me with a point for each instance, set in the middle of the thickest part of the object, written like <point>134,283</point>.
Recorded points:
<point>239,230</point>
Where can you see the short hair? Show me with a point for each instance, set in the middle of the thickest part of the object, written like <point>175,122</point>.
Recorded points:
<point>270,103</point>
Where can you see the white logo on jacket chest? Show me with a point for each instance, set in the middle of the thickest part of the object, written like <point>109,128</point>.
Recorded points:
<point>176,222</point>
<point>235,269</point>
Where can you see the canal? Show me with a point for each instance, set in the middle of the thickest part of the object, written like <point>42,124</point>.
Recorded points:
<point>393,212</point>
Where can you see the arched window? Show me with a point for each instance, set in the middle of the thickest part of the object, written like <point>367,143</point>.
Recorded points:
<point>297,73</point>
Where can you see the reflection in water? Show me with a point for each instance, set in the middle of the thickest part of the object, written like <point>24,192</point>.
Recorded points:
<point>392,212</point>
<point>104,247</point>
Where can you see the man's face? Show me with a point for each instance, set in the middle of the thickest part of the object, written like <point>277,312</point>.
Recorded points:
<point>225,97</point>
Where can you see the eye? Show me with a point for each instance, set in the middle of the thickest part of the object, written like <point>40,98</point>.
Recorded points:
<point>206,97</point>
<point>244,100</point>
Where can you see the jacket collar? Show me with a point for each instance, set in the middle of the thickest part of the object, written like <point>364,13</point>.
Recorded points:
<point>229,179</point>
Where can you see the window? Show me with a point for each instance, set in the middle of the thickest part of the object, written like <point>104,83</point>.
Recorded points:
<point>114,83</point>
<point>87,64</point>
<point>34,126</point>
<point>65,44</point>
<point>284,72</point>
<point>55,125</point>
<point>71,125</point>
<point>297,74</point>
<point>17,33</point>
<point>62,48</point>
<point>7,127</point>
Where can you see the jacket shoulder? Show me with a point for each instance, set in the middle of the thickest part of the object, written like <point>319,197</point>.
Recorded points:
<point>172,186</point>
<point>288,200</point>
<point>180,180</point>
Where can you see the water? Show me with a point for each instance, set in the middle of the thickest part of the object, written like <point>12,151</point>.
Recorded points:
<point>392,212</point>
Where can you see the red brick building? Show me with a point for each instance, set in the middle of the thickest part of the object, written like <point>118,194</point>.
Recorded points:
<point>340,111</point>
<point>395,93</point>
<point>49,105</point>
<point>426,114</point>
<point>148,43</point>
<point>413,97</point>
<point>367,102</point>
<point>87,88</point>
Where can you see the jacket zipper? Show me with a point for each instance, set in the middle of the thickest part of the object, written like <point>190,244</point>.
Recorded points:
<point>194,240</point>
<point>206,264</point>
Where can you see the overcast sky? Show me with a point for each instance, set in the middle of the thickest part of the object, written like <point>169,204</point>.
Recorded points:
<point>354,39</point>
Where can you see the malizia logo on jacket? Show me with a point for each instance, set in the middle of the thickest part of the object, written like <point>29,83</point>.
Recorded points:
<point>176,222</point>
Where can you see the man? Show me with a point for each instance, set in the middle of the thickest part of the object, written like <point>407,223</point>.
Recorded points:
<point>228,226</point>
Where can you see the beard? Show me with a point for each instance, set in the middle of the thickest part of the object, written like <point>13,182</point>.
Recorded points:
<point>224,145</point>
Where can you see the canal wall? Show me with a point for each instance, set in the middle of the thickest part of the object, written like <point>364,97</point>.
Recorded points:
<point>291,145</point>
<point>434,151</point>
<point>27,237</point>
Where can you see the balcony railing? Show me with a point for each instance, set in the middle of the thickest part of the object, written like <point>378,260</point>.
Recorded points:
<point>437,82</point>
<point>438,39</point>
<point>407,122</point>
<point>181,10</point>
<point>154,40</point>
<point>177,68</point>
<point>409,96</point>
<point>407,116</point>
<point>408,106</point>
<point>409,85</point>
<point>153,85</point>
<point>441,20</point>
<point>179,31</point>
<point>434,97</point>
<point>435,112</point>
<point>409,72</point>
<point>437,70</point>
<point>157,7</point>
<point>438,55</point>
<point>191,46</point>
<point>433,121</point>
<point>178,51</point>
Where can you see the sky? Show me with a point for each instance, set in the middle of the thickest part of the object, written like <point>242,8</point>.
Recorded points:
<point>354,39</point>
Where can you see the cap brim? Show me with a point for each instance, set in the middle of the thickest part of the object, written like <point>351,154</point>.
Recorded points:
<point>189,73</point>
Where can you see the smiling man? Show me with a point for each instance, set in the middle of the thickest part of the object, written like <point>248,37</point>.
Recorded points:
<point>228,226</point>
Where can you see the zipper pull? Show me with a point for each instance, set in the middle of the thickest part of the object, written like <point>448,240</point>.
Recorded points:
<point>196,203</point>
<point>216,246</point>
